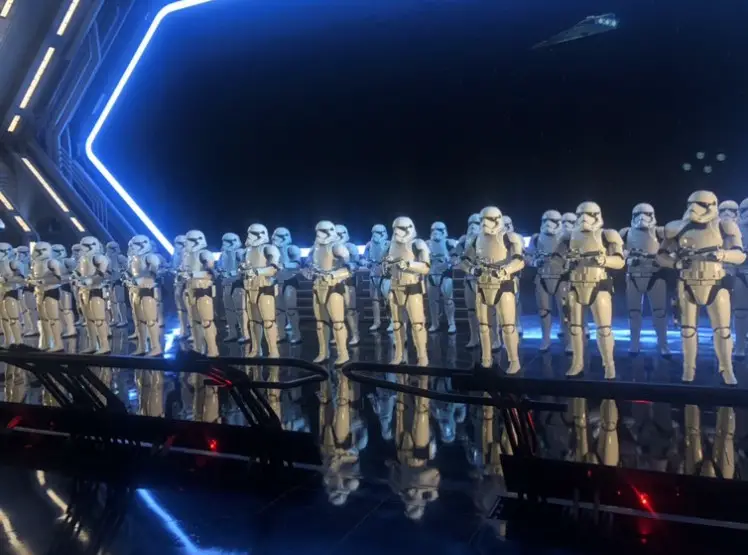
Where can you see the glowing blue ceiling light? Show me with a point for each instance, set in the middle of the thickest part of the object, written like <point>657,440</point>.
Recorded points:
<point>160,16</point>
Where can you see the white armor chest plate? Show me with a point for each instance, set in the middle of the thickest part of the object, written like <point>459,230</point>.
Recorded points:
<point>138,266</point>
<point>192,265</point>
<point>491,248</point>
<point>323,257</point>
<point>352,250</point>
<point>254,257</point>
<point>587,242</point>
<point>285,272</point>
<point>439,251</point>
<point>376,253</point>
<point>700,269</point>
<point>645,241</point>
<point>86,266</point>
<point>403,251</point>
<point>546,245</point>
<point>40,271</point>
<point>114,264</point>
<point>6,273</point>
<point>229,262</point>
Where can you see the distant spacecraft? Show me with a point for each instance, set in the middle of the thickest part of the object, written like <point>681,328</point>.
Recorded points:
<point>590,25</point>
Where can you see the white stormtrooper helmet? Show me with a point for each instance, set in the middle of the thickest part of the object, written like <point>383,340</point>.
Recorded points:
<point>728,210</point>
<point>744,213</point>
<point>492,222</point>
<point>91,245</point>
<point>230,242</point>
<point>23,253</point>
<point>139,245</point>
<point>568,221</point>
<point>702,207</point>
<point>257,235</point>
<point>195,241</point>
<point>342,232</point>
<point>59,252</point>
<point>379,234</point>
<point>589,216</point>
<point>403,230</point>
<point>438,231</point>
<point>6,252</point>
<point>113,249</point>
<point>508,224</point>
<point>643,216</point>
<point>42,251</point>
<point>474,224</point>
<point>324,233</point>
<point>550,222</point>
<point>180,242</point>
<point>75,250</point>
<point>281,237</point>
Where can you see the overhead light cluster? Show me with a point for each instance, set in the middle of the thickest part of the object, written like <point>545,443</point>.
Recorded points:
<point>31,89</point>
<point>53,194</point>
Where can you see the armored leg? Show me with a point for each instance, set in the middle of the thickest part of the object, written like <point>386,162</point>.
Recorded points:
<point>232,320</point>
<point>67,316</point>
<point>447,292</point>
<point>507,307</point>
<point>482,313</point>
<point>281,317</point>
<point>12,321</point>
<point>658,304</point>
<point>434,297</point>
<point>351,313</point>
<point>602,313</point>
<point>266,306</point>
<point>98,324</point>
<point>323,329</point>
<point>397,314</point>
<point>30,314</point>
<point>149,312</point>
<point>634,301</point>
<point>376,302</point>
<point>575,312</point>
<point>182,313</point>
<point>206,315</point>
<point>336,310</point>
<point>52,311</point>
<point>543,300</point>
<point>292,313</point>
<point>417,317</point>
<point>469,293</point>
<point>689,319</point>
<point>719,316</point>
<point>607,443</point>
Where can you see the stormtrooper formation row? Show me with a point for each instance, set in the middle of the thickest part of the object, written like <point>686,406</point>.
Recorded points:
<point>573,255</point>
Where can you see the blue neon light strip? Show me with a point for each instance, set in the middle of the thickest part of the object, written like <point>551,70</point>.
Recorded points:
<point>98,164</point>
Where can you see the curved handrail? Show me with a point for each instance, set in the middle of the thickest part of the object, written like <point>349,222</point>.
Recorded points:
<point>192,363</point>
<point>351,371</point>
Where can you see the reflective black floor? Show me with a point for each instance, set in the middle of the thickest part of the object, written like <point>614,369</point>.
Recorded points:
<point>401,473</point>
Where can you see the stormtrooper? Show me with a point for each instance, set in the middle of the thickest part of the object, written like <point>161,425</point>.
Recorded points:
<point>93,279</point>
<point>568,221</point>
<point>589,251</point>
<point>12,281</point>
<point>407,262</point>
<point>509,228</point>
<point>232,287</point>
<point>471,288</point>
<point>379,285</point>
<point>30,319</point>
<point>262,260</point>
<point>288,281</point>
<point>46,277</point>
<point>196,272</point>
<point>180,295</point>
<point>143,266</point>
<point>328,268</point>
<point>740,291</point>
<point>351,284</point>
<point>700,246</point>
<point>494,256</point>
<point>550,270</point>
<point>67,314</point>
<point>644,277</point>
<point>118,265</point>
<point>440,279</point>
<point>728,210</point>
<point>158,289</point>
<point>75,251</point>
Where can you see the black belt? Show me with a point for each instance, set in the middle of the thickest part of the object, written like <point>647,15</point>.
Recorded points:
<point>202,292</point>
<point>13,294</point>
<point>146,291</point>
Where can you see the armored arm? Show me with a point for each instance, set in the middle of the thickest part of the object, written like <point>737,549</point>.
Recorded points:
<point>614,259</point>
<point>422,263</point>
<point>666,256</point>
<point>732,243</point>
<point>273,258</point>
<point>516,259</point>
<point>341,254</point>
<point>294,257</point>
